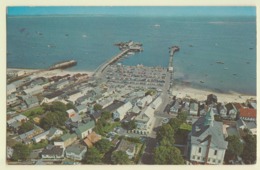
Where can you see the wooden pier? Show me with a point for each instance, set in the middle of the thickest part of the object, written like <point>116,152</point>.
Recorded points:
<point>173,49</point>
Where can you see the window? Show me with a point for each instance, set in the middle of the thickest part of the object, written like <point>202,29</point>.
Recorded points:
<point>203,158</point>
<point>198,157</point>
<point>208,159</point>
<point>213,160</point>
<point>193,157</point>
<point>219,161</point>
<point>216,151</point>
<point>199,149</point>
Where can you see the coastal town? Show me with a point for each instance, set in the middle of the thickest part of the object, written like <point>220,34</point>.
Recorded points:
<point>122,114</point>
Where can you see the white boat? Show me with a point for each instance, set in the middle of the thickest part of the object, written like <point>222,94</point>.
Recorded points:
<point>156,25</point>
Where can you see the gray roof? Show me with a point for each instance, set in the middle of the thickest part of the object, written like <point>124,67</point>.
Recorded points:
<point>54,150</point>
<point>31,100</point>
<point>205,128</point>
<point>77,149</point>
<point>85,127</point>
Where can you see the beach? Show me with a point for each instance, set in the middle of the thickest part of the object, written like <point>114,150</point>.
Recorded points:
<point>201,94</point>
<point>49,73</point>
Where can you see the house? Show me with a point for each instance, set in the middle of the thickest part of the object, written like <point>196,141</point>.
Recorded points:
<point>84,99</point>
<point>121,111</point>
<point>40,137</point>
<point>231,111</point>
<point>211,99</point>
<point>128,147</point>
<point>60,84</point>
<point>106,102</point>
<point>206,140</point>
<point>52,152</point>
<point>91,139</point>
<point>66,140</point>
<point>194,107</point>
<point>34,90</point>
<point>71,113</point>
<point>202,109</point>
<point>96,115</point>
<point>251,103</point>
<point>241,125</point>
<point>136,110</point>
<point>19,118</point>
<point>144,121</point>
<point>28,136</point>
<point>186,104</point>
<point>85,129</point>
<point>76,152</point>
<point>52,97</point>
<point>222,110</point>
<point>11,99</point>
<point>156,103</point>
<point>10,88</point>
<point>144,101</point>
<point>114,106</point>
<point>248,114</point>
<point>72,96</point>
<point>176,106</point>
<point>81,108</point>
<point>31,102</point>
<point>53,133</point>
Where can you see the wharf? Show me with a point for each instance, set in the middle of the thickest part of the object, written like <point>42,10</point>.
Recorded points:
<point>173,49</point>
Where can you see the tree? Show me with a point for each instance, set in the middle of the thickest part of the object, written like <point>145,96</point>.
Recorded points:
<point>70,106</point>
<point>93,156</point>
<point>119,157</point>
<point>166,131</point>
<point>103,146</point>
<point>129,125</point>
<point>182,117</point>
<point>106,115</point>
<point>166,154</point>
<point>25,127</point>
<point>21,152</point>
<point>235,148</point>
<point>97,107</point>
<point>52,119</point>
<point>175,123</point>
<point>249,152</point>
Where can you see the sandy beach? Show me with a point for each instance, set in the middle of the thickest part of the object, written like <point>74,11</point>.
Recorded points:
<point>50,73</point>
<point>201,95</point>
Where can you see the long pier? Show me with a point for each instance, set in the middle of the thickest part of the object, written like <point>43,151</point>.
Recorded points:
<point>125,48</point>
<point>173,49</point>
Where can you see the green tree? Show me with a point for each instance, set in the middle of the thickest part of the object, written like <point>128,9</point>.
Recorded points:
<point>175,123</point>
<point>129,125</point>
<point>53,119</point>
<point>235,148</point>
<point>93,156</point>
<point>21,152</point>
<point>166,131</point>
<point>249,152</point>
<point>25,127</point>
<point>70,106</point>
<point>106,115</point>
<point>103,146</point>
<point>182,116</point>
<point>166,154</point>
<point>120,157</point>
<point>97,107</point>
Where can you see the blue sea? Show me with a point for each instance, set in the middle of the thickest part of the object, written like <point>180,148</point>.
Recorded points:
<point>40,41</point>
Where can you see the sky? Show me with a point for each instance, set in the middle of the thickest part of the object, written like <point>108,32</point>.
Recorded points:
<point>140,11</point>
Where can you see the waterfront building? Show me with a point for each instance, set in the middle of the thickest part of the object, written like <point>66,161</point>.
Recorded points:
<point>231,111</point>
<point>247,114</point>
<point>194,107</point>
<point>34,90</point>
<point>10,88</point>
<point>222,110</point>
<point>206,140</point>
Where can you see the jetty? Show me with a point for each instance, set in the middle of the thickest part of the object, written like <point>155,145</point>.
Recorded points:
<point>125,47</point>
<point>173,49</point>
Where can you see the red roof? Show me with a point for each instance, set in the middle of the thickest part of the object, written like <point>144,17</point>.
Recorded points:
<point>247,112</point>
<point>238,106</point>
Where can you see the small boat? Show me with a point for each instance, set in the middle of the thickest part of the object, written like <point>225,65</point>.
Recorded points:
<point>84,36</point>
<point>67,35</point>
<point>201,81</point>
<point>248,62</point>
<point>225,68</point>
<point>219,62</point>
<point>251,48</point>
<point>234,74</point>
<point>156,25</point>
<point>191,45</point>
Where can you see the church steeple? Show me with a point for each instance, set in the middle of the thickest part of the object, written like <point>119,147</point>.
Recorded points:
<point>209,118</point>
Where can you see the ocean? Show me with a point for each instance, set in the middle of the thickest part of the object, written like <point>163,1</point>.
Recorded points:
<point>41,41</point>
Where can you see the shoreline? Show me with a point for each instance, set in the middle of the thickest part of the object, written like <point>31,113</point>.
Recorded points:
<point>201,94</point>
<point>50,73</point>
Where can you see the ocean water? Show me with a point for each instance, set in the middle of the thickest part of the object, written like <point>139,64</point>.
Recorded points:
<point>40,41</point>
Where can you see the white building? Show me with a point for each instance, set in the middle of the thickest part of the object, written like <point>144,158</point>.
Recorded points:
<point>144,101</point>
<point>121,111</point>
<point>156,103</point>
<point>144,121</point>
<point>34,90</point>
<point>207,143</point>
<point>76,152</point>
<point>10,88</point>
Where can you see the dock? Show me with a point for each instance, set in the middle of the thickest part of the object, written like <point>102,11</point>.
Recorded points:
<point>125,47</point>
<point>173,49</point>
